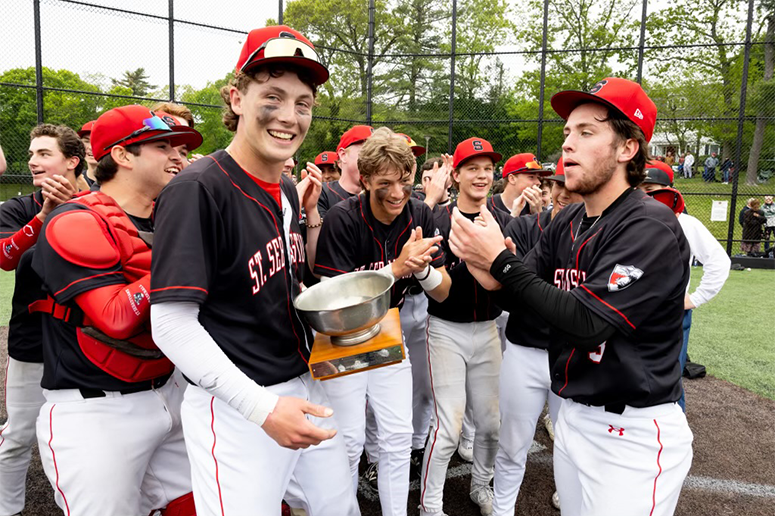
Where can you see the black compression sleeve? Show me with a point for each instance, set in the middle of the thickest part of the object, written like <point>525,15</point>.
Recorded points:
<point>583,328</point>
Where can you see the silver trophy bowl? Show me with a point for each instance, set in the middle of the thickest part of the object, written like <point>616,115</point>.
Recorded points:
<point>348,308</point>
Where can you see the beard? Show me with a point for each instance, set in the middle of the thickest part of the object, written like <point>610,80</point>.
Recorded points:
<point>592,183</point>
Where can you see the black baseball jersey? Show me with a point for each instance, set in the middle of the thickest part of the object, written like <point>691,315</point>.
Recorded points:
<point>224,242</point>
<point>630,267</point>
<point>331,194</point>
<point>525,327</point>
<point>24,335</point>
<point>353,240</point>
<point>65,365</point>
<point>468,301</point>
<point>496,201</point>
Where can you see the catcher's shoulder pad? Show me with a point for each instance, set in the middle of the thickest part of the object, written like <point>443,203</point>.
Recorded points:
<point>83,238</point>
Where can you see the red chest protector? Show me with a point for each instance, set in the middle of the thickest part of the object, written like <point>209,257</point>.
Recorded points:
<point>137,359</point>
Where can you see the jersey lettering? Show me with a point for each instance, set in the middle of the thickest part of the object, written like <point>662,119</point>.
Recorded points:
<point>568,279</point>
<point>275,254</point>
<point>597,355</point>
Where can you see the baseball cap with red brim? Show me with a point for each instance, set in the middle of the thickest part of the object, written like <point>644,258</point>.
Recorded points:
<point>659,172</point>
<point>559,173</point>
<point>356,134</point>
<point>417,150</point>
<point>280,44</point>
<point>473,148</point>
<point>625,96</point>
<point>85,130</point>
<point>525,163</point>
<point>326,158</point>
<point>126,125</point>
<point>670,197</point>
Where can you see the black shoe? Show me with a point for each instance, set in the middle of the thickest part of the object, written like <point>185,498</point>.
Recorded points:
<point>415,464</point>
<point>370,476</point>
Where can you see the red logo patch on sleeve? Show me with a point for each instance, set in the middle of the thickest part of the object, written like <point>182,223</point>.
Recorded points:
<point>623,276</point>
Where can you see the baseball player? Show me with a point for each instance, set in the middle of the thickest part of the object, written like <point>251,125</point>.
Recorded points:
<point>522,194</point>
<point>107,387</point>
<point>464,348</point>
<point>226,267</point>
<point>178,115</point>
<point>326,161</point>
<point>348,184</point>
<point>91,164</point>
<point>382,229</point>
<point>703,246</point>
<point>56,160</point>
<point>610,278</point>
<point>525,384</point>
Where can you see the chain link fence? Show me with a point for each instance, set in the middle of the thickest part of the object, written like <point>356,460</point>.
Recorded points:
<point>438,70</point>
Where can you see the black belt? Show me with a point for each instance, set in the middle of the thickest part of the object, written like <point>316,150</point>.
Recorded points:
<point>146,386</point>
<point>614,408</point>
<point>414,290</point>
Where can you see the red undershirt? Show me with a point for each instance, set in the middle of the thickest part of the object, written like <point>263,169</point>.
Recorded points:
<point>272,189</point>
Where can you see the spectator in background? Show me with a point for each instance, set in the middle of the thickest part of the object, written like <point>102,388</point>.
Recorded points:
<point>747,207</point>
<point>711,162</point>
<point>769,213</point>
<point>3,164</point>
<point>726,169</point>
<point>753,223</point>
<point>670,157</point>
<point>688,164</point>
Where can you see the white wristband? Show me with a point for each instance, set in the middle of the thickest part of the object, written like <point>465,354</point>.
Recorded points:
<point>387,271</point>
<point>432,281</point>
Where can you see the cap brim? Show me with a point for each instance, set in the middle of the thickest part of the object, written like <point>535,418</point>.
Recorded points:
<point>81,134</point>
<point>318,71</point>
<point>555,177</point>
<point>181,135</point>
<point>418,151</point>
<point>565,102</point>
<point>541,172</point>
<point>494,156</point>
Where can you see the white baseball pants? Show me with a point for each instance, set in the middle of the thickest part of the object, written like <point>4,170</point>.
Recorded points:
<point>464,363</point>
<point>23,399</point>
<point>525,385</point>
<point>604,462</point>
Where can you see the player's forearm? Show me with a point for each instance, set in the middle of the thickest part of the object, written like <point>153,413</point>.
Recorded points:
<point>578,324</point>
<point>119,311</point>
<point>314,224</point>
<point>15,245</point>
<point>179,334</point>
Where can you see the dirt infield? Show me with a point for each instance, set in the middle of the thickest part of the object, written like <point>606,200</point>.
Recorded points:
<point>733,472</point>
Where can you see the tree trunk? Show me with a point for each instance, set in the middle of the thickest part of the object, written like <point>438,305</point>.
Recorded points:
<point>758,134</point>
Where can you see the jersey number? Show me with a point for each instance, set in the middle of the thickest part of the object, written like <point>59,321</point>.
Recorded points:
<point>597,355</point>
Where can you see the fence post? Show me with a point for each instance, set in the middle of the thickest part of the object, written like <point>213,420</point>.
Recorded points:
<point>38,62</point>
<point>452,75</point>
<point>740,125</point>
<point>641,46</point>
<point>172,49</point>
<point>370,63</point>
<point>280,13</point>
<point>539,138</point>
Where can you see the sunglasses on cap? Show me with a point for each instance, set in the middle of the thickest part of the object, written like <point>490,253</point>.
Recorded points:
<point>533,165</point>
<point>153,123</point>
<point>284,46</point>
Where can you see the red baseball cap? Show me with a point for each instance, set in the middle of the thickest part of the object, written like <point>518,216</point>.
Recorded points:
<point>196,137</point>
<point>280,44</point>
<point>559,173</point>
<point>625,96</point>
<point>524,163</point>
<point>670,197</point>
<point>473,148</point>
<point>86,129</point>
<point>326,158</point>
<point>417,150</point>
<point>126,125</point>
<point>356,134</point>
<point>659,172</point>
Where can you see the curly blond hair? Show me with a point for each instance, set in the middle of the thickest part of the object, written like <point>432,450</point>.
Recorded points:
<point>384,151</point>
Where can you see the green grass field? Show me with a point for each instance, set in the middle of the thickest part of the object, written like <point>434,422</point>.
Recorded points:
<point>733,335</point>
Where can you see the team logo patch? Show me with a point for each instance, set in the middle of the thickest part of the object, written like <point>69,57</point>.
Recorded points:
<point>597,87</point>
<point>139,298</point>
<point>639,114</point>
<point>612,429</point>
<point>623,276</point>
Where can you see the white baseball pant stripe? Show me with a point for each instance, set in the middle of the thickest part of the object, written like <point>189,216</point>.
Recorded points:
<point>237,468</point>
<point>525,385</point>
<point>115,455</point>
<point>389,393</point>
<point>464,364</point>
<point>23,399</point>
<point>604,462</point>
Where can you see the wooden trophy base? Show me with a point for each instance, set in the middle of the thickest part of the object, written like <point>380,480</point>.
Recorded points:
<point>328,360</point>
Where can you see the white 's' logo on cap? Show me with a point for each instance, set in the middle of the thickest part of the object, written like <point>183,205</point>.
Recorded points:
<point>639,114</point>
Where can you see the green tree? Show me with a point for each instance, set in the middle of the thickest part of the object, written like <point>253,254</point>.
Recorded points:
<point>208,119</point>
<point>136,81</point>
<point>762,101</point>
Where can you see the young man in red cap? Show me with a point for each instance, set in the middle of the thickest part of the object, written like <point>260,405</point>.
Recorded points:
<point>522,194</point>
<point>464,347</point>
<point>348,184</point>
<point>91,164</point>
<point>56,158</point>
<point>108,388</point>
<point>228,262</point>
<point>326,161</point>
<point>620,265</point>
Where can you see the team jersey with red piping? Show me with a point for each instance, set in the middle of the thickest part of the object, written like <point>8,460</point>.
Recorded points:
<point>64,364</point>
<point>223,242</point>
<point>468,301</point>
<point>630,267</point>
<point>496,201</point>
<point>331,194</point>
<point>353,240</point>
